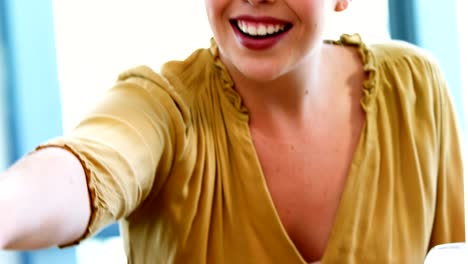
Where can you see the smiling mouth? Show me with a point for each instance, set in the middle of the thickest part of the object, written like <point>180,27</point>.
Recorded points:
<point>260,30</point>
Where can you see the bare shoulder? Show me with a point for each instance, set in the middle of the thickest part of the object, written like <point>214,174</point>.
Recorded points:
<point>347,67</point>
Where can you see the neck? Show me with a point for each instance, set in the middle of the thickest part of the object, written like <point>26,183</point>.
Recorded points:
<point>288,99</point>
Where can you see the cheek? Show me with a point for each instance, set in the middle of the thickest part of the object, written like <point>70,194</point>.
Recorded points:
<point>215,10</point>
<point>209,8</point>
<point>313,16</point>
<point>216,7</point>
<point>311,10</point>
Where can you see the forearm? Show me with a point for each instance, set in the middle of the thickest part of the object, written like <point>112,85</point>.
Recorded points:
<point>44,201</point>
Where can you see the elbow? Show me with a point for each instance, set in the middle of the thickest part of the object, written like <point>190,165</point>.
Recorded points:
<point>6,241</point>
<point>5,244</point>
<point>9,226</point>
<point>5,236</point>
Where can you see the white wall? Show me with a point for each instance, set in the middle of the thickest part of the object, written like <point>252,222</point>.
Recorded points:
<point>96,40</point>
<point>97,251</point>
<point>369,18</point>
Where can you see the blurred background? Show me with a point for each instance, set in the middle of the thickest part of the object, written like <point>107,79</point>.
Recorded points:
<point>58,57</point>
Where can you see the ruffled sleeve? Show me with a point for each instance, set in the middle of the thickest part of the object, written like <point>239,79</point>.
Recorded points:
<point>126,146</point>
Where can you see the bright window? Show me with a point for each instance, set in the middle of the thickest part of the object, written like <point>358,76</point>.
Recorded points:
<point>96,40</point>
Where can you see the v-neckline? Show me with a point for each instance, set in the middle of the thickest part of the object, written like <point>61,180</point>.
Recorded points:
<point>351,178</point>
<point>362,147</point>
<point>345,196</point>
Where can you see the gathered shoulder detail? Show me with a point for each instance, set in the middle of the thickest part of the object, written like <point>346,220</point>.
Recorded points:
<point>369,66</point>
<point>228,84</point>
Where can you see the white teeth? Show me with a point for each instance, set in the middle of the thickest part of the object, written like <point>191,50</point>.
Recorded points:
<point>262,31</point>
<point>244,28</point>
<point>252,30</point>
<point>259,29</point>
<point>271,29</point>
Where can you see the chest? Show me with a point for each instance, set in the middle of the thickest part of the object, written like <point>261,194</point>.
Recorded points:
<point>305,178</point>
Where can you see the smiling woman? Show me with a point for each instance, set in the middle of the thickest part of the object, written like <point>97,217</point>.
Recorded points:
<point>268,144</point>
<point>142,23</point>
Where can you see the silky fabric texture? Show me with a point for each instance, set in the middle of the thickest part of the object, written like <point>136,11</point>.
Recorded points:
<point>170,155</point>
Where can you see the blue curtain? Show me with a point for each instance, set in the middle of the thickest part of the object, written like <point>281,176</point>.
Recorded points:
<point>5,83</point>
<point>32,90</point>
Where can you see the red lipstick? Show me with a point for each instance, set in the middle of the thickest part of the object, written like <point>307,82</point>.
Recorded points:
<point>259,42</point>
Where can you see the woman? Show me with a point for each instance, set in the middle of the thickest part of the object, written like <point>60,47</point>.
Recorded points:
<point>271,146</point>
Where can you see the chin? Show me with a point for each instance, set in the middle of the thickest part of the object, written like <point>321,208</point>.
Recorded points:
<point>260,72</point>
<point>260,75</point>
<point>257,69</point>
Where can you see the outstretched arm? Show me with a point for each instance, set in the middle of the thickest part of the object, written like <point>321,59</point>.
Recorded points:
<point>44,201</point>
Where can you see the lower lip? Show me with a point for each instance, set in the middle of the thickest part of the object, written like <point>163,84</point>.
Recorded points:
<point>257,44</point>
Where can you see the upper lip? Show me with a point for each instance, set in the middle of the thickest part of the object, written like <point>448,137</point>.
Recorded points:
<point>261,19</point>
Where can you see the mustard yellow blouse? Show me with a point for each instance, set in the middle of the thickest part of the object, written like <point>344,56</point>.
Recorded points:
<point>170,155</point>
